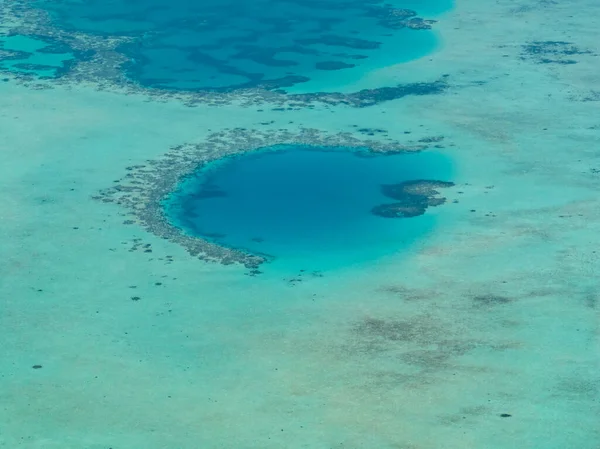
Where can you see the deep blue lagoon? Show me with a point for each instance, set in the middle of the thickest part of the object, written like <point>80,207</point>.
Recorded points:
<point>229,44</point>
<point>306,206</point>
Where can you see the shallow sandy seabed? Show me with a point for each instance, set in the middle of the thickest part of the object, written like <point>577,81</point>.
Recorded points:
<point>495,313</point>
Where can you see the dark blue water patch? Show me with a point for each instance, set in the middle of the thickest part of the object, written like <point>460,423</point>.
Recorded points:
<point>306,206</point>
<point>230,44</point>
<point>37,56</point>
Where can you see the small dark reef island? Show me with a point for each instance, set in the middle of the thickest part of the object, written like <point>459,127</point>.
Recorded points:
<point>413,198</point>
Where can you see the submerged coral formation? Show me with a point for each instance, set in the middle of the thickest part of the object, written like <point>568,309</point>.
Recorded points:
<point>398,18</point>
<point>120,63</point>
<point>142,191</point>
<point>552,52</point>
<point>413,198</point>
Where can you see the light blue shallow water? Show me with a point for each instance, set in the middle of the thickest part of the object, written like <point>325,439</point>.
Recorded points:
<point>33,56</point>
<point>304,205</point>
<point>116,338</point>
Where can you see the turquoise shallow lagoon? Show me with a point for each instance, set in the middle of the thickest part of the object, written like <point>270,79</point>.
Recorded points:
<point>473,325</point>
<point>312,206</point>
<point>31,55</point>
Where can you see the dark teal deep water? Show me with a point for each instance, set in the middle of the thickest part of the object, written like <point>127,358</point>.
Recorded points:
<point>225,44</point>
<point>307,207</point>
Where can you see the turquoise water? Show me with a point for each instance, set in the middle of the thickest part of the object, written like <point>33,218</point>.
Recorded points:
<point>304,205</point>
<point>34,56</point>
<point>479,330</point>
<point>220,45</point>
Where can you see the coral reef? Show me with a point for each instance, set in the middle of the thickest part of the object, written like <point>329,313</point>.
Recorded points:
<point>413,198</point>
<point>142,190</point>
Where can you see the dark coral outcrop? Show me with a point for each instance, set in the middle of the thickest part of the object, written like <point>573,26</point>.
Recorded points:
<point>412,198</point>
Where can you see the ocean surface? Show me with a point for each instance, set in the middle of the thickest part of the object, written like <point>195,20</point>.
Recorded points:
<point>31,56</point>
<point>216,45</point>
<point>308,207</point>
<point>352,224</point>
